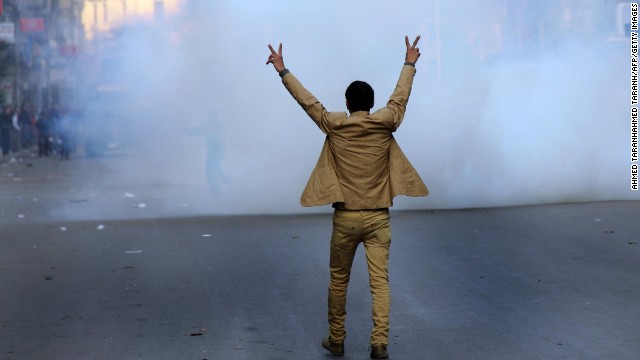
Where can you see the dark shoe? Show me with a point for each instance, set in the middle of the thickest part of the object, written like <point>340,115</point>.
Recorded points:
<point>336,349</point>
<point>379,351</point>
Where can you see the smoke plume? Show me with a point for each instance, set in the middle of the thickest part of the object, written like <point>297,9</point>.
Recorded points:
<point>503,110</point>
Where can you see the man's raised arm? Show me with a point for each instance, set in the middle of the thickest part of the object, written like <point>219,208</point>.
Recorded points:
<point>307,101</point>
<point>398,101</point>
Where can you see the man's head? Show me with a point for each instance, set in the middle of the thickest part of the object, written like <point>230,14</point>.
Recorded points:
<point>359,96</point>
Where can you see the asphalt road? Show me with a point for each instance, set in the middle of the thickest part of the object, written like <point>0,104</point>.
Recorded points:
<point>542,282</point>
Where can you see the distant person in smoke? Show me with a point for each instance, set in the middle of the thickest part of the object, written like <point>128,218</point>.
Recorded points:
<point>24,120</point>
<point>211,131</point>
<point>6,126</point>
<point>63,129</point>
<point>16,137</point>
<point>54,118</point>
<point>360,170</point>
<point>44,132</point>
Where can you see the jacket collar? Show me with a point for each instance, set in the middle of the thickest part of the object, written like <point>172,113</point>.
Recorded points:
<point>359,113</point>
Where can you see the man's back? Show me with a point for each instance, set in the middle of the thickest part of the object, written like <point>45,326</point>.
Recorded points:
<point>360,146</point>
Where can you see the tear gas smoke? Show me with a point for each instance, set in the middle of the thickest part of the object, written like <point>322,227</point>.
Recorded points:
<point>511,113</point>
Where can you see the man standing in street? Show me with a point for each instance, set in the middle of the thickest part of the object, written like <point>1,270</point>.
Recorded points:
<point>360,170</point>
<point>6,125</point>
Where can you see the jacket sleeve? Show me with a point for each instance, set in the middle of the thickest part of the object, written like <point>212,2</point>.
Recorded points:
<point>397,103</point>
<point>307,101</point>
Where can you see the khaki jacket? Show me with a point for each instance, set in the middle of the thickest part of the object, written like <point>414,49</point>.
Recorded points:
<point>361,164</point>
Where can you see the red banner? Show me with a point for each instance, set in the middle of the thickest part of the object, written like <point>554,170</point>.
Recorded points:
<point>0,7</point>
<point>31,25</point>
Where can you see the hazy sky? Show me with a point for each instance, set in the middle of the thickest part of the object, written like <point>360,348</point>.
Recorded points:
<point>541,124</point>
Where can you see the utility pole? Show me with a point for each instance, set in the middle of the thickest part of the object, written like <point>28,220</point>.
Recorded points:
<point>17,86</point>
<point>438,54</point>
<point>432,32</point>
<point>15,18</point>
<point>48,19</point>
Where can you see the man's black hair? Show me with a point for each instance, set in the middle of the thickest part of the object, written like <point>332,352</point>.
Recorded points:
<point>359,95</point>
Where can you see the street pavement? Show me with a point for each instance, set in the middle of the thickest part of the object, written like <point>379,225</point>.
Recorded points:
<point>558,281</point>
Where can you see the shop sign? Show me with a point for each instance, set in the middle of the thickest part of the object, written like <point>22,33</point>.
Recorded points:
<point>7,32</point>
<point>32,25</point>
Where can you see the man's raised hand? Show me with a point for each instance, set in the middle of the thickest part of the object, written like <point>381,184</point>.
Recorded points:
<point>276,58</point>
<point>413,53</point>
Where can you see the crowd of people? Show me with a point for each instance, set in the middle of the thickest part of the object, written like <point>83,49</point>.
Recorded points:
<point>51,129</point>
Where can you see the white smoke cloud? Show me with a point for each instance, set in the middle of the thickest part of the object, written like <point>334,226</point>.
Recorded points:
<point>545,127</point>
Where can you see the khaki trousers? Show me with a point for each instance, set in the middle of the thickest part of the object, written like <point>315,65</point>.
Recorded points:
<point>350,228</point>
